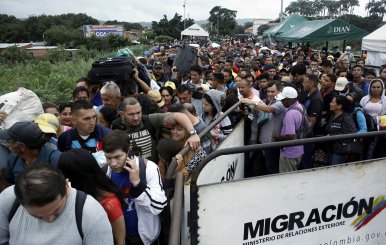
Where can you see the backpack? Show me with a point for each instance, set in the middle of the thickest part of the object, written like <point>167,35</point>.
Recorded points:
<point>305,127</point>
<point>80,199</point>
<point>370,122</point>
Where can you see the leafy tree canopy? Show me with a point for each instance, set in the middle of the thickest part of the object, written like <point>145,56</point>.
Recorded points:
<point>222,20</point>
<point>172,27</point>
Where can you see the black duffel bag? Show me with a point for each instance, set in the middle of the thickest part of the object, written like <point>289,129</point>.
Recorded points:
<point>117,69</point>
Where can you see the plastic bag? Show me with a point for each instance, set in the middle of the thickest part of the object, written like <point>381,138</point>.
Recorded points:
<point>21,105</point>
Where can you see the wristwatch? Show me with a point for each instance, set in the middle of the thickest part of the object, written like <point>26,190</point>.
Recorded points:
<point>192,132</point>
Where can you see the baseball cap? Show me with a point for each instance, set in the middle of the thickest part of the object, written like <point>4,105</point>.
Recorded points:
<point>48,123</point>
<point>24,132</point>
<point>170,84</point>
<point>147,53</point>
<point>155,96</point>
<point>341,83</point>
<point>348,48</point>
<point>287,93</point>
<point>157,64</point>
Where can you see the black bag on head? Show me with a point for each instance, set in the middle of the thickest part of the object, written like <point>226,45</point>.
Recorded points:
<point>185,58</point>
<point>116,69</point>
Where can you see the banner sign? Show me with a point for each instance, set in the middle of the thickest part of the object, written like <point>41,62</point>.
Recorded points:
<point>226,167</point>
<point>103,30</point>
<point>338,205</point>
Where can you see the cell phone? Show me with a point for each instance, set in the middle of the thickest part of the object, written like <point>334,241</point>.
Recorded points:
<point>131,156</point>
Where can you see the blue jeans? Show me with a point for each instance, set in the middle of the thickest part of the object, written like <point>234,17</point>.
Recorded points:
<point>336,158</point>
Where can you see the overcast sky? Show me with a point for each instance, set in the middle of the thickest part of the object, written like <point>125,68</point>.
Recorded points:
<point>147,10</point>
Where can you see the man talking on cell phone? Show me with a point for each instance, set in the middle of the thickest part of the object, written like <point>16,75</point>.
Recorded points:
<point>140,183</point>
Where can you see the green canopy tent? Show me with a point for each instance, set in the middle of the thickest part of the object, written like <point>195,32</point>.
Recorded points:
<point>322,30</point>
<point>287,24</point>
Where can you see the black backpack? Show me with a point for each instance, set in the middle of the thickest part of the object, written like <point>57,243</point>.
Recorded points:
<point>80,199</point>
<point>370,122</point>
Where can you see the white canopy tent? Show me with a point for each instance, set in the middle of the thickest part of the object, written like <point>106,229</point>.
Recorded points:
<point>194,30</point>
<point>375,45</point>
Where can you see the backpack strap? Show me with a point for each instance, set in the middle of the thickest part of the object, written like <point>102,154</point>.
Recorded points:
<point>80,199</point>
<point>142,169</point>
<point>79,203</point>
<point>298,109</point>
<point>302,112</point>
<point>49,157</point>
<point>14,208</point>
<point>13,163</point>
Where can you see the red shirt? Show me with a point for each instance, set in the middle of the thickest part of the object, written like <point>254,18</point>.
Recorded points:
<point>112,206</point>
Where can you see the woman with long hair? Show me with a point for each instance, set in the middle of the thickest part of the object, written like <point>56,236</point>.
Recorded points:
<point>167,149</point>
<point>374,104</point>
<point>188,162</point>
<point>84,173</point>
<point>340,122</point>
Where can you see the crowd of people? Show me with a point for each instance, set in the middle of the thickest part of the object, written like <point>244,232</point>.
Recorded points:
<point>116,146</point>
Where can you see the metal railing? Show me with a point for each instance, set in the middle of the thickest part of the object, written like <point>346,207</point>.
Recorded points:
<point>194,187</point>
<point>176,221</point>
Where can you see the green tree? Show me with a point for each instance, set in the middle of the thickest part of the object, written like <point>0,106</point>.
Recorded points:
<point>14,55</point>
<point>117,42</point>
<point>262,28</point>
<point>377,8</point>
<point>163,39</point>
<point>369,24</point>
<point>172,27</point>
<point>34,27</point>
<point>127,25</point>
<point>62,35</point>
<point>13,32</point>
<point>77,20</point>
<point>239,29</point>
<point>302,7</point>
<point>247,24</point>
<point>222,20</point>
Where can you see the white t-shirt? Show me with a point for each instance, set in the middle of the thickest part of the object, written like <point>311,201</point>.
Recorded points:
<point>26,229</point>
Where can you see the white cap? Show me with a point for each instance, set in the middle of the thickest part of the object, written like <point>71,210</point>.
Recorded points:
<point>348,48</point>
<point>341,83</point>
<point>288,92</point>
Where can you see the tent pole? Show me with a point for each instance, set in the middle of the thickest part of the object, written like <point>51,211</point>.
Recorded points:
<point>344,45</point>
<point>327,46</point>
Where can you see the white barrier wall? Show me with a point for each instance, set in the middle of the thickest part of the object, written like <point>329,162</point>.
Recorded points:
<point>325,206</point>
<point>223,168</point>
<point>226,167</point>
